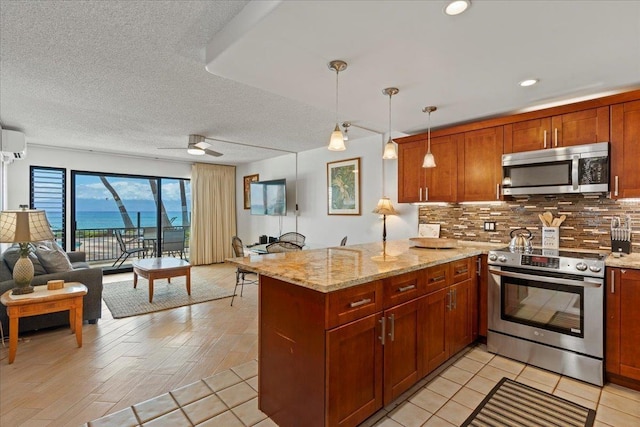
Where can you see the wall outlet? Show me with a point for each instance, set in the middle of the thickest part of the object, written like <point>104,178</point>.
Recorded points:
<point>489,226</point>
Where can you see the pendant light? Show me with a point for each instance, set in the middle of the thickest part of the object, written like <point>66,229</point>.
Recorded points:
<point>390,148</point>
<point>429,161</point>
<point>336,142</point>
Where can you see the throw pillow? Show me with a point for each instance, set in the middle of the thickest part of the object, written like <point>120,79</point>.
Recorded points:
<point>53,258</point>
<point>12,254</point>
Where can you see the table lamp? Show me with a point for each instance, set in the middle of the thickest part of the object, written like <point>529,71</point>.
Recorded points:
<point>384,208</point>
<point>24,226</point>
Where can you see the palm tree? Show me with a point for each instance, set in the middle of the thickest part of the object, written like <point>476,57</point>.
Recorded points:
<point>154,189</point>
<point>116,197</point>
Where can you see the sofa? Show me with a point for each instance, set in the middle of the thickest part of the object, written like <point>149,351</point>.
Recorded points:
<point>80,272</point>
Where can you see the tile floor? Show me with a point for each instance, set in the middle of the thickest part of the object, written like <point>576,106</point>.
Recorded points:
<point>445,398</point>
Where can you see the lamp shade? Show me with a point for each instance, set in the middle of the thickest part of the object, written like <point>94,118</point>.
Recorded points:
<point>389,151</point>
<point>22,226</point>
<point>429,161</point>
<point>336,142</point>
<point>385,207</point>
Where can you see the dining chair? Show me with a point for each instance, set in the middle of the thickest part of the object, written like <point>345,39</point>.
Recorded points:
<point>293,237</point>
<point>282,247</point>
<point>238,251</point>
<point>126,252</point>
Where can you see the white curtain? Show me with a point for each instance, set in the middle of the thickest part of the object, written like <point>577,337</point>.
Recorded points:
<point>213,220</point>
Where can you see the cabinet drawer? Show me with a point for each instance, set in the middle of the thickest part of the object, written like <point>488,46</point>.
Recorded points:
<point>438,277</point>
<point>353,303</point>
<point>461,270</point>
<point>403,288</point>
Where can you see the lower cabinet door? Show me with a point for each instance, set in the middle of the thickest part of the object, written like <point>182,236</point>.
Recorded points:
<point>629,323</point>
<point>436,349</point>
<point>354,371</point>
<point>403,348</point>
<point>459,320</point>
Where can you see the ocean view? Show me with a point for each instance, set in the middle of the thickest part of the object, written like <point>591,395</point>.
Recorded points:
<point>111,219</point>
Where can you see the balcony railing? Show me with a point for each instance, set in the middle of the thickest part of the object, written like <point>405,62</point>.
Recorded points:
<point>101,246</point>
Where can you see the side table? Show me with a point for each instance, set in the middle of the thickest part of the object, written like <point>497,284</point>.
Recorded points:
<point>43,301</point>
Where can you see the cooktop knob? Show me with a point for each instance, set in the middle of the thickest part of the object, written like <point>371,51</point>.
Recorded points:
<point>502,258</point>
<point>493,257</point>
<point>581,266</point>
<point>595,268</point>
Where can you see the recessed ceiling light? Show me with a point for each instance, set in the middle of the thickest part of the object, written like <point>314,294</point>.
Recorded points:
<point>456,7</point>
<point>528,82</point>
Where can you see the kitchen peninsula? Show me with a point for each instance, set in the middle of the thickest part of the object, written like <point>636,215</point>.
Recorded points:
<point>346,330</point>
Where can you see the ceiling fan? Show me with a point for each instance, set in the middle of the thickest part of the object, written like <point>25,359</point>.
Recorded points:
<point>197,146</point>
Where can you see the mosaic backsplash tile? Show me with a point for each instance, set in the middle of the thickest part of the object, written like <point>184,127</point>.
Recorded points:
<point>587,226</point>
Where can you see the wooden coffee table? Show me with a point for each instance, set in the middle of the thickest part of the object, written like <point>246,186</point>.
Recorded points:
<point>43,301</point>
<point>161,268</point>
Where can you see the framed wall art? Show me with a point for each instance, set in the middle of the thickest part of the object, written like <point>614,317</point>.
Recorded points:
<point>343,187</point>
<point>247,190</point>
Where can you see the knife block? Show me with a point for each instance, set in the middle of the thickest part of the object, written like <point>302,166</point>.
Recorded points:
<point>621,246</point>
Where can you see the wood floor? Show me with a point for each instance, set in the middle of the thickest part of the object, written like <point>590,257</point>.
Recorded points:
<point>126,361</point>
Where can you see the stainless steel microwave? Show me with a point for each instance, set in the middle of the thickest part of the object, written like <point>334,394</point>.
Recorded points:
<point>563,170</point>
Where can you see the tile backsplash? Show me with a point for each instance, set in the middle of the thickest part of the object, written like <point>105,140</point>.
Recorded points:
<point>587,225</point>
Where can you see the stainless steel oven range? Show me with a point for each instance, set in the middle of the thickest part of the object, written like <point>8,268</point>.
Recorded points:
<point>546,308</point>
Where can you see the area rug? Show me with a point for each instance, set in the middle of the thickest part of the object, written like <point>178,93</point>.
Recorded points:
<point>512,404</point>
<point>125,301</point>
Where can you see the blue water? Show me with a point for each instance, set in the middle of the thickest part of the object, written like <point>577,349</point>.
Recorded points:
<point>102,219</point>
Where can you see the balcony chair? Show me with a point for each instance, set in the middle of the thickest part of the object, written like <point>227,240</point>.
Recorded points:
<point>293,237</point>
<point>127,252</point>
<point>282,247</point>
<point>343,242</point>
<point>238,251</point>
<point>173,241</point>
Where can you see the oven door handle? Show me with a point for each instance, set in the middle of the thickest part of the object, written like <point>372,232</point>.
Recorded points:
<point>585,284</point>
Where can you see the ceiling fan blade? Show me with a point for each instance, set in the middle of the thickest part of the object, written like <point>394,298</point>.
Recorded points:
<point>203,145</point>
<point>212,153</point>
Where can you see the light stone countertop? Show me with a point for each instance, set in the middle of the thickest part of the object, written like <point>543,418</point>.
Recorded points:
<point>330,269</point>
<point>631,260</point>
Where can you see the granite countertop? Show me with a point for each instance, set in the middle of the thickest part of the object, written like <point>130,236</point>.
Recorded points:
<point>631,260</point>
<point>331,269</point>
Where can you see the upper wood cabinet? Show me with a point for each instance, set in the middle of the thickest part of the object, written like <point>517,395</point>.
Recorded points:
<point>480,165</point>
<point>417,184</point>
<point>625,150</point>
<point>575,128</point>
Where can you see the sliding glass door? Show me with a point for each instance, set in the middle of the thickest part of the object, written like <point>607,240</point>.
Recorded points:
<point>118,218</point>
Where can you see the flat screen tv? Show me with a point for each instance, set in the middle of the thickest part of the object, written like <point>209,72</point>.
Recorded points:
<point>269,197</point>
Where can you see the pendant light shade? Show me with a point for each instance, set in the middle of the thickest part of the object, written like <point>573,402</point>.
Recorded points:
<point>336,142</point>
<point>390,151</point>
<point>429,161</point>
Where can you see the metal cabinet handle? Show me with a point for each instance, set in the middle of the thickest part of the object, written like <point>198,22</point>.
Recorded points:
<point>455,299</point>
<point>381,337</point>
<point>545,139</point>
<point>392,334</point>
<point>436,279</point>
<point>497,191</point>
<point>426,194</point>
<point>420,193</point>
<point>406,288</point>
<point>464,270</point>
<point>363,301</point>
<point>448,306</point>
<point>615,191</point>
<point>613,282</point>
<point>479,269</point>
<point>555,131</point>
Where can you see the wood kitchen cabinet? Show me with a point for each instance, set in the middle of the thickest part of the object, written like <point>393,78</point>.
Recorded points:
<point>574,128</point>
<point>417,184</point>
<point>622,358</point>
<point>334,359</point>
<point>625,150</point>
<point>449,315</point>
<point>480,165</point>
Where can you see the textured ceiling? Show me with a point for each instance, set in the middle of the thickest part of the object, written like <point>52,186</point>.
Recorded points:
<point>129,76</point>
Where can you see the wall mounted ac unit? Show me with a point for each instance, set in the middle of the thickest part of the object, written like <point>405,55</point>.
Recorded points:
<point>13,145</point>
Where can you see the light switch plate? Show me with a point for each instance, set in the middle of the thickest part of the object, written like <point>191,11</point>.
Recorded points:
<point>489,226</point>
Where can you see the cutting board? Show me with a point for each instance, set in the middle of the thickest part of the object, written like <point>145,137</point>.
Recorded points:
<point>433,243</point>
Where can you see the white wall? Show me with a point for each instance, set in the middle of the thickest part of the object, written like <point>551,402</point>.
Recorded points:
<point>17,173</point>
<point>313,221</point>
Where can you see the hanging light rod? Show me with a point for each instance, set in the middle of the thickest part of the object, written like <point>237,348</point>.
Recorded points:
<point>336,141</point>
<point>390,152</point>
<point>244,144</point>
<point>429,161</point>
